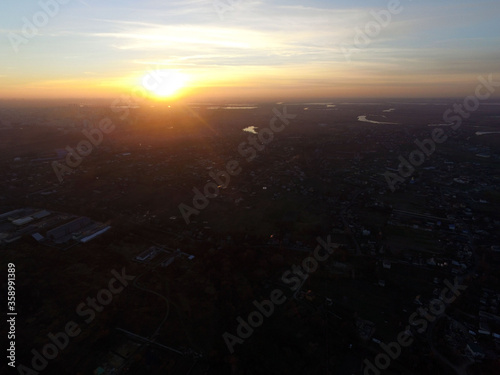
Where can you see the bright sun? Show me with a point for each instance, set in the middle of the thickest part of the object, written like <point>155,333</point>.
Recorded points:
<point>164,83</point>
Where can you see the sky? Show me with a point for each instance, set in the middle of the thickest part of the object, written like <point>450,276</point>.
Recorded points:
<point>246,49</point>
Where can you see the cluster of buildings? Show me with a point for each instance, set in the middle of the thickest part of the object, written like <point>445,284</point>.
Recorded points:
<point>48,227</point>
<point>160,255</point>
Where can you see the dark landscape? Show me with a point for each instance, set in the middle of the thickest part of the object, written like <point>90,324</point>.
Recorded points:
<point>195,274</point>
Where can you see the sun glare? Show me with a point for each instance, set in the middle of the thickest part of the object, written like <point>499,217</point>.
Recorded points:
<point>164,83</point>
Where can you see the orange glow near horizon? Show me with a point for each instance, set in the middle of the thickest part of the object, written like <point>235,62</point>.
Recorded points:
<point>241,83</point>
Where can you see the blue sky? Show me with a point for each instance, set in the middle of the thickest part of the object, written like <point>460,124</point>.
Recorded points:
<point>275,48</point>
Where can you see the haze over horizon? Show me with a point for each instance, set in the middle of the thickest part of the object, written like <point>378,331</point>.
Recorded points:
<point>255,50</point>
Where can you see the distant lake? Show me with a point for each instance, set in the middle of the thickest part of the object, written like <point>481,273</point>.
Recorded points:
<point>325,104</point>
<point>251,129</point>
<point>350,103</point>
<point>232,108</point>
<point>486,133</point>
<point>364,119</point>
